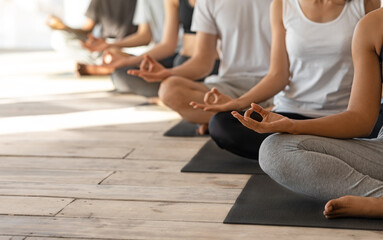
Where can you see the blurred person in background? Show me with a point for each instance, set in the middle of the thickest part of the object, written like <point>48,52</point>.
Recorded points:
<point>116,21</point>
<point>178,14</point>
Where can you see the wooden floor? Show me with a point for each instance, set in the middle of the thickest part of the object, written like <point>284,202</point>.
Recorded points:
<point>79,162</point>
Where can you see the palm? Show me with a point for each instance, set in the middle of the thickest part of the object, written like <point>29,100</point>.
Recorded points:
<point>271,117</point>
<point>271,122</point>
<point>215,101</point>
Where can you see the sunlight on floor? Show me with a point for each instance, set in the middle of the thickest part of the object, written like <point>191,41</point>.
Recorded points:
<point>28,74</point>
<point>46,76</point>
<point>44,123</point>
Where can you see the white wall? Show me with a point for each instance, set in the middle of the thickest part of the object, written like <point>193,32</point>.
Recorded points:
<point>22,22</point>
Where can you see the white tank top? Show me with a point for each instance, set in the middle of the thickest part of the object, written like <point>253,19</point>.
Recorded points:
<point>321,69</point>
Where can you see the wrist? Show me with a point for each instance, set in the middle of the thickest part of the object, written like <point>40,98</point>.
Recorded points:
<point>171,72</point>
<point>241,103</point>
<point>293,128</point>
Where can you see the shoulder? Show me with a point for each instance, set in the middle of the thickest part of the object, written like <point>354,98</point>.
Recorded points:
<point>276,8</point>
<point>370,28</point>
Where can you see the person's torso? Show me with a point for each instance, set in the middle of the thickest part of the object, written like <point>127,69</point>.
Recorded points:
<point>244,36</point>
<point>321,68</point>
<point>185,13</point>
<point>116,18</point>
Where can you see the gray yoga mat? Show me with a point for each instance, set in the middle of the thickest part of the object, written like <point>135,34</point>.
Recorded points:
<point>265,202</point>
<point>183,129</point>
<point>212,159</point>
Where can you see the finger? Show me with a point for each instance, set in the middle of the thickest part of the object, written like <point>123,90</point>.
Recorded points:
<point>207,98</point>
<point>197,105</point>
<point>150,59</point>
<point>248,113</point>
<point>149,77</point>
<point>151,67</point>
<point>259,109</point>
<point>241,119</point>
<point>216,92</point>
<point>134,72</point>
<point>143,65</point>
<point>249,122</point>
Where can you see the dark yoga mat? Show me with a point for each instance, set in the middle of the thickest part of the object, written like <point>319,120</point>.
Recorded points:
<point>265,202</point>
<point>213,159</point>
<point>183,129</point>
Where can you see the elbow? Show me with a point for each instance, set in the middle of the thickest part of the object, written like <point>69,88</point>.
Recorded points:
<point>364,125</point>
<point>366,130</point>
<point>281,78</point>
<point>146,39</point>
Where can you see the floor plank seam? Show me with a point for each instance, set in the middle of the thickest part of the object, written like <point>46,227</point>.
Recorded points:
<point>64,208</point>
<point>112,173</point>
<point>52,156</point>
<point>130,152</point>
<point>120,199</point>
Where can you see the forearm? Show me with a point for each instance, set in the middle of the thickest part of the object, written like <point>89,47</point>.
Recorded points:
<point>78,31</point>
<point>143,36</point>
<point>344,125</point>
<point>158,52</point>
<point>269,86</point>
<point>134,40</point>
<point>195,68</point>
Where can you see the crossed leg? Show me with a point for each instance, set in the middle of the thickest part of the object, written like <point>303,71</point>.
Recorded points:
<point>178,92</point>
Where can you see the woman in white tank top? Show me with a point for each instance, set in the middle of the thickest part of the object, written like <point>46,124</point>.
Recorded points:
<point>310,71</point>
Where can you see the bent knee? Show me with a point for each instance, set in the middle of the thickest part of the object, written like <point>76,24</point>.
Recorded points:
<point>273,153</point>
<point>170,89</point>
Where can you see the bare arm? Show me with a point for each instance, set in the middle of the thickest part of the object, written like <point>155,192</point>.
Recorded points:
<point>168,44</point>
<point>56,23</point>
<point>278,76</point>
<point>143,36</point>
<point>363,109</point>
<point>203,59</point>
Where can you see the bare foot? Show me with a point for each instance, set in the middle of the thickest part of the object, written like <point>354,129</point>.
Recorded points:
<point>202,129</point>
<point>156,101</point>
<point>84,70</point>
<point>354,206</point>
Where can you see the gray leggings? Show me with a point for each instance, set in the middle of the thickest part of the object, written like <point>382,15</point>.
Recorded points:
<point>325,168</point>
<point>126,83</point>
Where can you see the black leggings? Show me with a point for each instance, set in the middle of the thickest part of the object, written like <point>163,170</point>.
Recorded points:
<point>232,136</point>
<point>125,83</point>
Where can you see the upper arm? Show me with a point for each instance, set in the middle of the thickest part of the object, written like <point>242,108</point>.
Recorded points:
<point>171,25</point>
<point>89,25</point>
<point>279,62</point>
<point>366,89</point>
<point>144,30</point>
<point>371,5</point>
<point>206,48</point>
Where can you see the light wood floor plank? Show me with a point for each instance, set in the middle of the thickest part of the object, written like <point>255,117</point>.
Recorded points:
<point>39,206</point>
<point>59,149</point>
<point>190,212</point>
<point>12,238</point>
<point>53,176</point>
<point>140,229</point>
<point>178,180</point>
<point>121,192</point>
<point>53,163</point>
<point>160,153</point>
